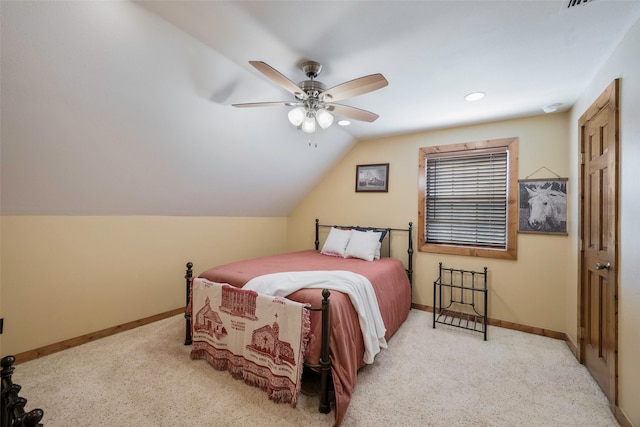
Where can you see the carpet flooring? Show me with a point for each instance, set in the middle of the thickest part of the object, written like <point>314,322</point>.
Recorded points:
<point>427,377</point>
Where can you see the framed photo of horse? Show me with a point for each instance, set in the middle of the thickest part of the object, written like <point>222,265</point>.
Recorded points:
<point>542,206</point>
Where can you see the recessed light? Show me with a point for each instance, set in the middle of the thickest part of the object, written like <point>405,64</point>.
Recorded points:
<point>551,108</point>
<point>344,122</point>
<point>474,96</point>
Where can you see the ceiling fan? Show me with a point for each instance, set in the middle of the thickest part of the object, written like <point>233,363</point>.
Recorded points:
<point>313,102</point>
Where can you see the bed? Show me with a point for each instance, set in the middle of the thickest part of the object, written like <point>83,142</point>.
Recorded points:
<point>337,345</point>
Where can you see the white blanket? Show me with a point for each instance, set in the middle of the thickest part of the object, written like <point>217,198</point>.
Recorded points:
<point>355,285</point>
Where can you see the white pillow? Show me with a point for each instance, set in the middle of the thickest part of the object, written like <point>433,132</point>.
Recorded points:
<point>363,245</point>
<point>378,246</point>
<point>336,242</point>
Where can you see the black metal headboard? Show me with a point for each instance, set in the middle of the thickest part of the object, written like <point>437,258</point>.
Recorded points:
<point>409,231</point>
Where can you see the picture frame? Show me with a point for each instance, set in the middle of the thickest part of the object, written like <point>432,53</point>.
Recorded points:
<point>542,206</point>
<point>373,178</point>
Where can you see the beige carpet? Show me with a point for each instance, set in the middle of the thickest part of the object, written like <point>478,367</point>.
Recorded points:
<point>427,377</point>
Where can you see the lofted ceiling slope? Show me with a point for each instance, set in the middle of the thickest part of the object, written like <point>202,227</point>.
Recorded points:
<point>124,108</point>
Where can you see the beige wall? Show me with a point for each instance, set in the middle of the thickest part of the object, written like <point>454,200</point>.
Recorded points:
<point>529,291</point>
<point>65,276</point>
<point>624,63</point>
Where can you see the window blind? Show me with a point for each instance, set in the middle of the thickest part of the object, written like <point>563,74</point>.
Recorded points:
<point>466,199</point>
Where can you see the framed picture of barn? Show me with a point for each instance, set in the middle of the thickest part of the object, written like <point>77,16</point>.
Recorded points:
<point>542,206</point>
<point>372,178</point>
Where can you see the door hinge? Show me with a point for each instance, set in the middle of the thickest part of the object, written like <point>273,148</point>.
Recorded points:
<point>581,332</point>
<point>582,158</point>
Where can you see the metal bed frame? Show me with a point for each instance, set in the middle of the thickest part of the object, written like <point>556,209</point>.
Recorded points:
<point>324,364</point>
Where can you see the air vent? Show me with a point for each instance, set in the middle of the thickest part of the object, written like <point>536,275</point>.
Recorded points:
<point>575,3</point>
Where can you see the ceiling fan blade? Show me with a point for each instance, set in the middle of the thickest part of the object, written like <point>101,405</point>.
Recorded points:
<point>352,112</point>
<point>278,78</point>
<point>266,104</point>
<point>355,87</point>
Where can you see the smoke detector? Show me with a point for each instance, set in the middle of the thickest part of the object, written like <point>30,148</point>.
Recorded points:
<point>551,108</point>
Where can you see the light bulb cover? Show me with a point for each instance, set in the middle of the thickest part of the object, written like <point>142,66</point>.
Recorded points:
<point>297,116</point>
<point>324,118</point>
<point>309,124</point>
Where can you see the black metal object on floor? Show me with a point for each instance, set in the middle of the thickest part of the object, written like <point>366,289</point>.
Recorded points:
<point>460,299</point>
<point>13,413</point>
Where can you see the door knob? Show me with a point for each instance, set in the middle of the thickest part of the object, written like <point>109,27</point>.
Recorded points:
<point>603,266</point>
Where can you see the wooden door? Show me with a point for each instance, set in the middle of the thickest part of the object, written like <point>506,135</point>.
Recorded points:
<point>599,255</point>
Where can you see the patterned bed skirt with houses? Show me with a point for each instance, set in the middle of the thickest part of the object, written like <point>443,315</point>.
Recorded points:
<point>258,338</point>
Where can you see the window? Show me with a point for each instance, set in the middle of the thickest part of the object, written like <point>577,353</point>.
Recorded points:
<point>468,199</point>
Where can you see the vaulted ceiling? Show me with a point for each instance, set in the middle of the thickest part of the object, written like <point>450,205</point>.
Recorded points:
<point>124,108</point>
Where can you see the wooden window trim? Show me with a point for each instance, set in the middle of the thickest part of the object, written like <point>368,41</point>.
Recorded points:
<point>511,252</point>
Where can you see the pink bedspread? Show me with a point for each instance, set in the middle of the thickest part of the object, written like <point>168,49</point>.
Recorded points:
<point>393,292</point>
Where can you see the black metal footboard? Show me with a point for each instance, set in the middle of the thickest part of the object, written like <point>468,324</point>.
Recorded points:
<point>13,413</point>
<point>187,314</point>
<point>324,363</point>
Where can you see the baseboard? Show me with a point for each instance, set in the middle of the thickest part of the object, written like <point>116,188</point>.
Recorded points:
<point>621,417</point>
<point>617,412</point>
<point>509,325</point>
<point>572,346</point>
<point>73,342</point>
<point>422,307</point>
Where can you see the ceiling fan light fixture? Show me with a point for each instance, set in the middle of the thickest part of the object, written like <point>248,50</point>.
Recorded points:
<point>297,115</point>
<point>324,118</point>
<point>314,105</point>
<point>309,124</point>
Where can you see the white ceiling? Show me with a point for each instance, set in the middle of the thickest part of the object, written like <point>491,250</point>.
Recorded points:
<point>124,108</point>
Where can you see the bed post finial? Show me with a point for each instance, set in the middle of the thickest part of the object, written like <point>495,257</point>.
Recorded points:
<point>317,242</point>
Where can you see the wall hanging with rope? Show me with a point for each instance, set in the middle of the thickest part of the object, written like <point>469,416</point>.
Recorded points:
<point>542,204</point>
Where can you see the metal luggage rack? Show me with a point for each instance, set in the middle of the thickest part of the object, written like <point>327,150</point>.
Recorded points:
<point>460,299</point>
